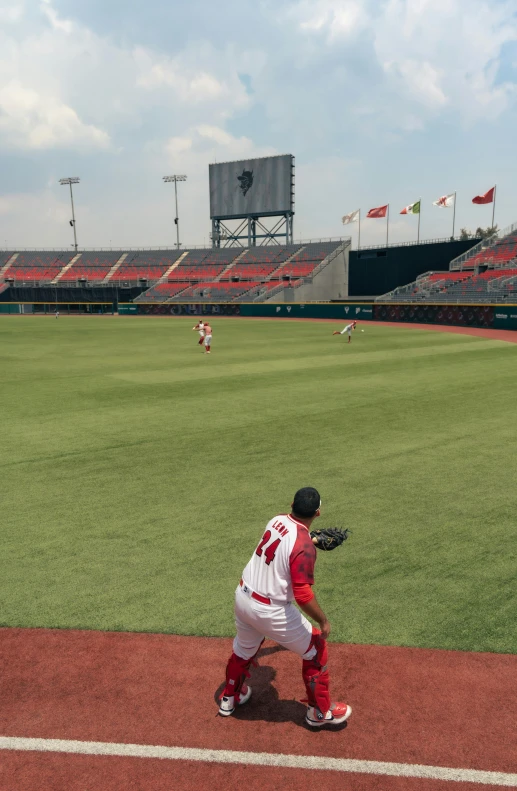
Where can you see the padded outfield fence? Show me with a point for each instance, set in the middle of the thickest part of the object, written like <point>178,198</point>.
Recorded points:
<point>487,316</point>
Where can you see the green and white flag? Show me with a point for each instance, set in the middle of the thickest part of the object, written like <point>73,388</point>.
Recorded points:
<point>413,208</point>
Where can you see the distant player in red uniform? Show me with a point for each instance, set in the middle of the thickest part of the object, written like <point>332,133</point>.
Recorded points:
<point>280,573</point>
<point>208,337</point>
<point>200,327</point>
<point>348,329</point>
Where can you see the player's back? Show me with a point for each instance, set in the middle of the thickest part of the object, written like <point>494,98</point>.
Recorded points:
<point>269,569</point>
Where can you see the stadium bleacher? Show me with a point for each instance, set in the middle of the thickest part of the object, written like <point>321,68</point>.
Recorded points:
<point>36,266</point>
<point>484,274</point>
<point>224,274</point>
<point>91,266</point>
<point>216,291</point>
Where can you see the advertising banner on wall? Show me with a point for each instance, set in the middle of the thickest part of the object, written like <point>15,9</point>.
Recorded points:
<point>454,315</point>
<point>204,309</point>
<point>505,318</point>
<point>338,311</point>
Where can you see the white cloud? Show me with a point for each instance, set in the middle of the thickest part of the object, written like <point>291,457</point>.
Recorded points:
<point>422,57</point>
<point>339,18</point>
<point>190,85</point>
<point>11,13</point>
<point>29,119</point>
<point>443,53</point>
<point>64,25</point>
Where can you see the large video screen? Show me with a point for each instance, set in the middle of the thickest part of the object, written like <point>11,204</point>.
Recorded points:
<point>251,186</point>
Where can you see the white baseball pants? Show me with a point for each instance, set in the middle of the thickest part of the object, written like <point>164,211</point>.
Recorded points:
<point>284,624</point>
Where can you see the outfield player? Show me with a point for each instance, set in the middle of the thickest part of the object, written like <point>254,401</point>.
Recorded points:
<point>200,327</point>
<point>281,572</point>
<point>348,329</point>
<point>208,337</point>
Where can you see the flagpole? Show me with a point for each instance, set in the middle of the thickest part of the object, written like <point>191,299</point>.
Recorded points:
<point>419,213</point>
<point>387,224</point>
<point>359,234</point>
<point>493,210</point>
<point>454,216</point>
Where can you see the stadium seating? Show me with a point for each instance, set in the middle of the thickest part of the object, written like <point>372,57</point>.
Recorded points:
<point>303,262</point>
<point>206,274</point>
<point>91,266</point>
<point>150,265</point>
<point>37,266</point>
<point>215,291</point>
<point>503,250</point>
<point>247,271</point>
<point>161,292</point>
<point>458,286</point>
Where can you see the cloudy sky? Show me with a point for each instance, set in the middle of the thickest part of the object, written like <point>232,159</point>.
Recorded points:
<point>379,100</point>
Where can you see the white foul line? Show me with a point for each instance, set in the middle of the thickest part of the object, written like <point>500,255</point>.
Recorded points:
<point>259,759</point>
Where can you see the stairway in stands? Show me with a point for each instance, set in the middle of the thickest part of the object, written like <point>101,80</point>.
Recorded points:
<point>115,267</point>
<point>66,268</point>
<point>274,274</point>
<point>231,264</point>
<point>6,266</point>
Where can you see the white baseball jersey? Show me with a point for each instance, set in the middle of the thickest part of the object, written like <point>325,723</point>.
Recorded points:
<point>201,327</point>
<point>348,328</point>
<point>284,555</point>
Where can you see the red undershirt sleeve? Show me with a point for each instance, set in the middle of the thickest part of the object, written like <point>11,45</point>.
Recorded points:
<point>301,562</point>
<point>303,592</point>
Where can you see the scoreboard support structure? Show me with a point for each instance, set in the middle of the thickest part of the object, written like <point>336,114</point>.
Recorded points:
<point>252,231</point>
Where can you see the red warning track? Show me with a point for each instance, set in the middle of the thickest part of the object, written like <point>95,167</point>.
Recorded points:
<point>411,706</point>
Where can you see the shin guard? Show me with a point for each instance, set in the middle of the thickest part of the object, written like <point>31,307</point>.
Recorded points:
<point>315,674</point>
<point>237,671</point>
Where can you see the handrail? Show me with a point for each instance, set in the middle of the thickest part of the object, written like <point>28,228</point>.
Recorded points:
<point>484,244</point>
<point>166,248</point>
<point>413,243</point>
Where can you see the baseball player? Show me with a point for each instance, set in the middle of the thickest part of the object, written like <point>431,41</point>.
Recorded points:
<point>200,327</point>
<point>208,337</point>
<point>348,329</point>
<point>281,572</point>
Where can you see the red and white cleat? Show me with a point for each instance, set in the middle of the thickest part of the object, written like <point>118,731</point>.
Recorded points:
<point>337,714</point>
<point>227,704</point>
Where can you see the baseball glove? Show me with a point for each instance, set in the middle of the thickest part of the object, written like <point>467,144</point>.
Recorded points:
<point>330,538</point>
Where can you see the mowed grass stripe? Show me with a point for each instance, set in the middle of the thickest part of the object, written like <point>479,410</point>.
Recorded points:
<point>128,497</point>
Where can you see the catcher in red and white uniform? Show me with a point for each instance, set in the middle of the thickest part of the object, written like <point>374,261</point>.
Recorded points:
<point>280,573</point>
<point>200,327</point>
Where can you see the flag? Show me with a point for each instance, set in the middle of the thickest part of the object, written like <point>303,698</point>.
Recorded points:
<point>446,201</point>
<point>380,211</point>
<point>488,197</point>
<point>352,217</point>
<point>413,208</point>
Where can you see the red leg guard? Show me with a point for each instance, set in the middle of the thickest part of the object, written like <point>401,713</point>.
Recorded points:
<point>200,342</point>
<point>315,674</point>
<point>237,671</point>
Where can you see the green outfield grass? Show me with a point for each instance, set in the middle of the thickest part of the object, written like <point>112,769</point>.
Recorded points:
<point>137,474</point>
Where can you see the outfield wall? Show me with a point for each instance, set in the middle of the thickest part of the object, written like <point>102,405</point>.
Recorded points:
<point>488,316</point>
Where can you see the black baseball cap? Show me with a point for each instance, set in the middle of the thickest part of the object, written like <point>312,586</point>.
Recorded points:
<point>306,502</point>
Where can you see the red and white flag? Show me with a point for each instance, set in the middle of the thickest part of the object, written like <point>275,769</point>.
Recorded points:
<point>446,201</point>
<point>352,217</point>
<point>488,197</point>
<point>378,213</point>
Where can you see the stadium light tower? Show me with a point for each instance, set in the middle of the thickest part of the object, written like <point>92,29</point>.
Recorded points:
<point>71,180</point>
<point>175,179</point>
